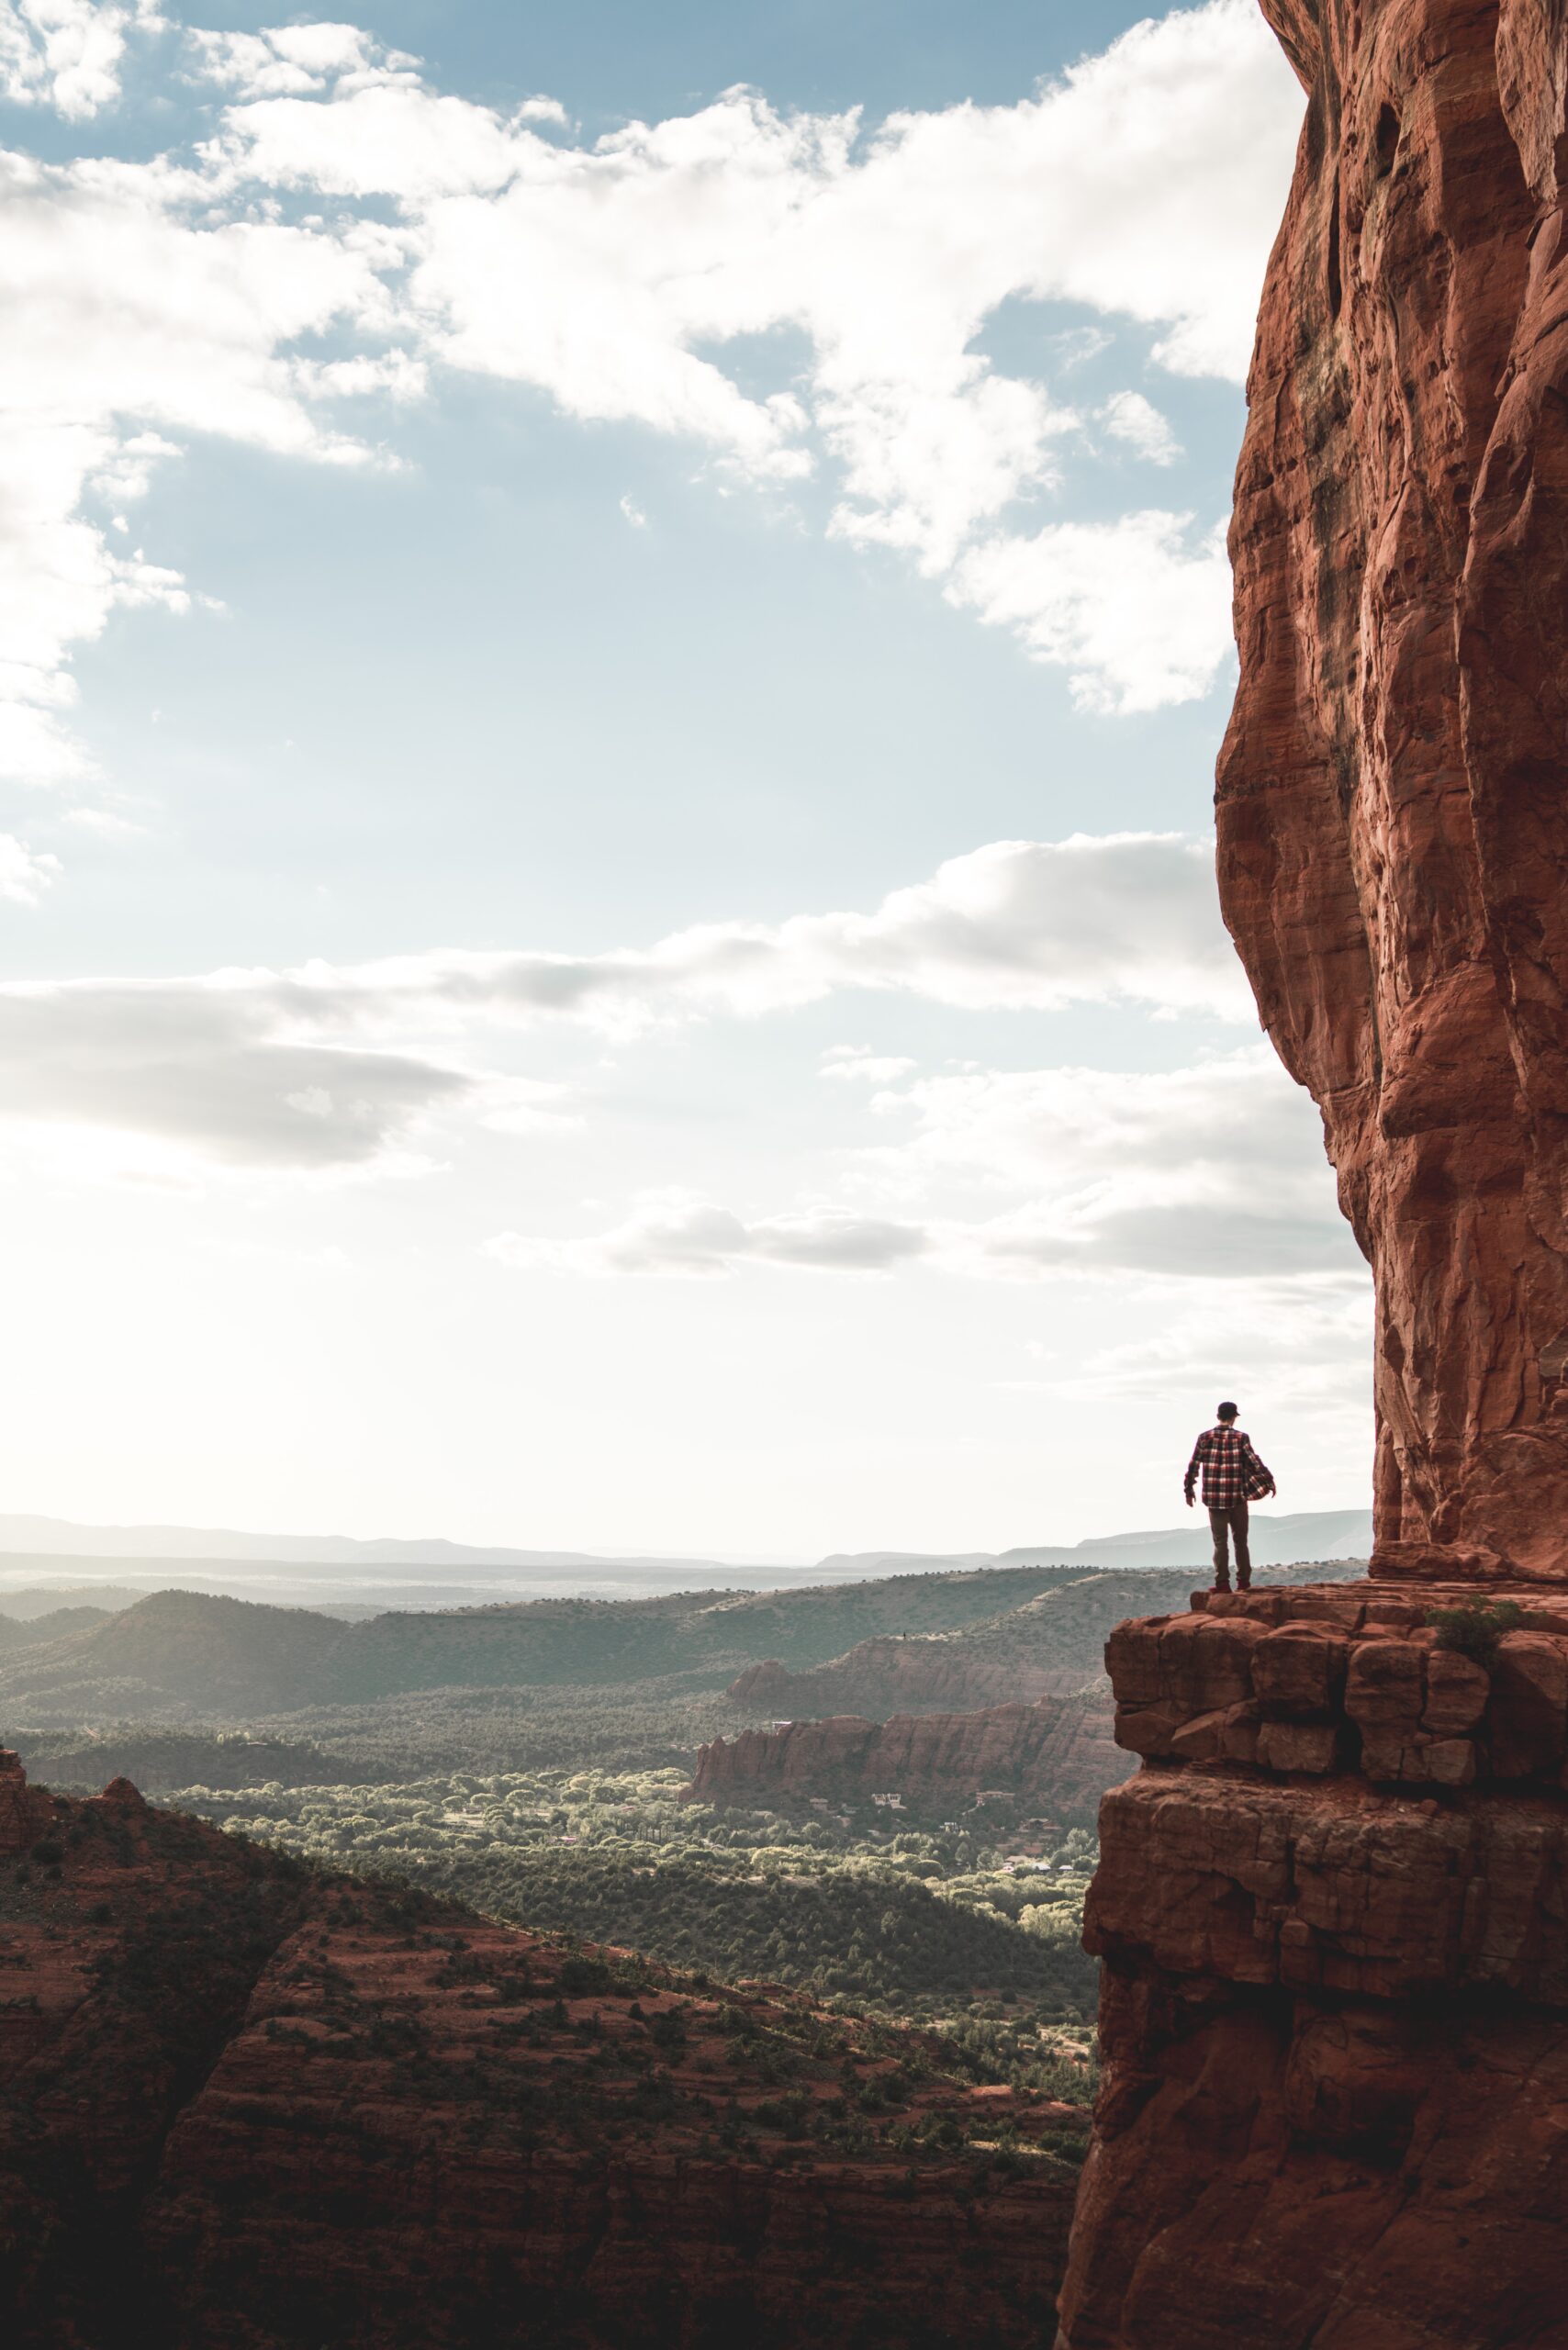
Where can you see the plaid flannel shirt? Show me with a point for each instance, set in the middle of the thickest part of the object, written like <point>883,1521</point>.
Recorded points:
<point>1229,1465</point>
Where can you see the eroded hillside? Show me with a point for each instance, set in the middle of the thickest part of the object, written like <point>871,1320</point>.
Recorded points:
<point>245,2102</point>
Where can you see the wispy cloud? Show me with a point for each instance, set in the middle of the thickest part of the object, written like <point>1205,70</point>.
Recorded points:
<point>1022,926</point>
<point>681,1235</point>
<point>1212,1173</point>
<point>206,1067</point>
<point>331,1063</point>
<point>25,874</point>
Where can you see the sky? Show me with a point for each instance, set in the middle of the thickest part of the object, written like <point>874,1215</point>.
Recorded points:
<point>615,626</point>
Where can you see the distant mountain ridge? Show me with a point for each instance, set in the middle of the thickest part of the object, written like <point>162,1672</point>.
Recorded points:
<point>1295,1539</point>
<point>1277,1541</point>
<point>231,1658</point>
<point>61,1537</point>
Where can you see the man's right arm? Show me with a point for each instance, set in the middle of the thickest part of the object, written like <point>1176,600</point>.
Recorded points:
<point>1193,1467</point>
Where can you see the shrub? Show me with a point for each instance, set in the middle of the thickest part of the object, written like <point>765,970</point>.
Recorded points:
<point>1475,1627</point>
<point>580,1977</point>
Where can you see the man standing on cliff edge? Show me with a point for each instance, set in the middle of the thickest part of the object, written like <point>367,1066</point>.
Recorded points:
<point>1233,1476</point>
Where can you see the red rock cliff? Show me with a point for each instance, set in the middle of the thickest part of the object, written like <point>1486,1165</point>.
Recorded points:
<point>1393,837</point>
<point>1059,1754</point>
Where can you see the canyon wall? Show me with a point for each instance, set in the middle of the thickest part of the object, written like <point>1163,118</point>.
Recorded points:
<point>1393,842</point>
<point>1058,1753</point>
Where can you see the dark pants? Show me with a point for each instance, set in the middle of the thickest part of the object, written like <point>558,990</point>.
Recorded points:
<point>1227,1523</point>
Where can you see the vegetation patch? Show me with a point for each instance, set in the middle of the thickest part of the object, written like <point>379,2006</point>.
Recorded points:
<point>1475,1627</point>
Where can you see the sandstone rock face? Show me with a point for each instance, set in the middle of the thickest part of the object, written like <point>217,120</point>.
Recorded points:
<point>244,2106</point>
<point>1393,836</point>
<point>1058,1752</point>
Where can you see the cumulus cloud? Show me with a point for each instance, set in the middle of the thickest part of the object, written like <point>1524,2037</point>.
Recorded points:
<point>1136,610</point>
<point>1143,182</point>
<point>296,61</point>
<point>146,299</point>
<point>66,53</point>
<point>684,1236</point>
<point>1130,418</point>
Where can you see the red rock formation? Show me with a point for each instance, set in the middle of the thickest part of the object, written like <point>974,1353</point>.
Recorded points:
<point>247,2106</point>
<point>1335,2100</point>
<point>1393,844</point>
<point>1059,1754</point>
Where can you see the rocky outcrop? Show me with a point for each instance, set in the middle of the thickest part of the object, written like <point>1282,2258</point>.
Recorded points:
<point>25,1812</point>
<point>244,2106</point>
<point>1335,1982</point>
<point>1393,848</point>
<point>1059,1754</point>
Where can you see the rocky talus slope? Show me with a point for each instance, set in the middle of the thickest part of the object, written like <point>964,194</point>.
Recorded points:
<point>1393,850</point>
<point>1058,1753</point>
<point>244,2106</point>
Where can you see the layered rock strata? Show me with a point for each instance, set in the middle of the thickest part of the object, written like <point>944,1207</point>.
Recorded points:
<point>1392,839</point>
<point>245,2105</point>
<point>1059,1754</point>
